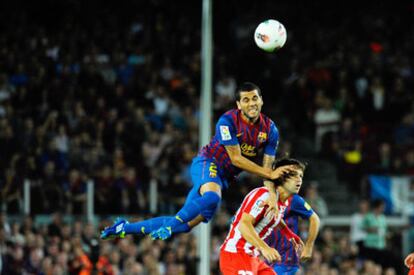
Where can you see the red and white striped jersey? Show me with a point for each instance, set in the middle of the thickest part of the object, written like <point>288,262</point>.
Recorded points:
<point>263,225</point>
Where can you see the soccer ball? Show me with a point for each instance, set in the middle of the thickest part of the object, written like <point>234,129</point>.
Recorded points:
<point>270,35</point>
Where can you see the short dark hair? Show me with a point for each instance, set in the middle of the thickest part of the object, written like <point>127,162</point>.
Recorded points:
<point>247,87</point>
<point>376,203</point>
<point>284,162</point>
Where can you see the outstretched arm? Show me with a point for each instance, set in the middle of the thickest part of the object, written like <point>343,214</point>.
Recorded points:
<point>238,160</point>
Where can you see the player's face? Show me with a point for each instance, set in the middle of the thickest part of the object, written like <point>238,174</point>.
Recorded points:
<point>293,182</point>
<point>250,104</point>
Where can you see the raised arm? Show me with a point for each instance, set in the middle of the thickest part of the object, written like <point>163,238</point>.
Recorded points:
<point>246,228</point>
<point>267,163</point>
<point>238,160</point>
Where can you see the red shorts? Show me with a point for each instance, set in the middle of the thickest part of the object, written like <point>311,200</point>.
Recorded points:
<point>243,264</point>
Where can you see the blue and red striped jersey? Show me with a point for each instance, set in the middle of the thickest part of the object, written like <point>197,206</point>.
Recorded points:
<point>297,207</point>
<point>232,129</point>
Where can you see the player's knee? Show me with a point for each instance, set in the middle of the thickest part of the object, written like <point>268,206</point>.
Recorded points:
<point>212,199</point>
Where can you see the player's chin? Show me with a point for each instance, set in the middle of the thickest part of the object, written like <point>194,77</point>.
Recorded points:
<point>253,114</point>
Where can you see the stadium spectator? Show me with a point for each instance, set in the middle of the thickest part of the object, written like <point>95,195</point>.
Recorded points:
<point>357,233</point>
<point>375,243</point>
<point>313,198</point>
<point>327,120</point>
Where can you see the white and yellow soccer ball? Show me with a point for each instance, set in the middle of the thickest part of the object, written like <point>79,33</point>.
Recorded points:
<point>270,35</point>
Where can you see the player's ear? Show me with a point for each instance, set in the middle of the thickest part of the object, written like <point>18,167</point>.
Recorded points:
<point>238,105</point>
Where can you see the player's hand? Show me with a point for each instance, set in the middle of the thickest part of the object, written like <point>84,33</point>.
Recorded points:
<point>409,260</point>
<point>270,254</point>
<point>297,243</point>
<point>280,171</point>
<point>306,254</point>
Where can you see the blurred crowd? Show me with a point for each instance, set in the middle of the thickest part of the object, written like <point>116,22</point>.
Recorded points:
<point>109,93</point>
<point>115,100</point>
<point>61,247</point>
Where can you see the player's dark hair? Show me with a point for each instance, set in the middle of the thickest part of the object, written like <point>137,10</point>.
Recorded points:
<point>247,87</point>
<point>284,162</point>
<point>376,203</point>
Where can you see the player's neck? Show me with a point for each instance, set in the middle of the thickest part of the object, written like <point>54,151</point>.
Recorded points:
<point>283,194</point>
<point>247,120</point>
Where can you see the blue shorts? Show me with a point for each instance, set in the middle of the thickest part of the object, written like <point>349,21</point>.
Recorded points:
<point>281,269</point>
<point>204,170</point>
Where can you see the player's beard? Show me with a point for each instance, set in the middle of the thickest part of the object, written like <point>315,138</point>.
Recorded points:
<point>252,118</point>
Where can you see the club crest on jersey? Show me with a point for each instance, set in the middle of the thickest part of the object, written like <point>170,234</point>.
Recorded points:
<point>213,170</point>
<point>262,137</point>
<point>248,150</point>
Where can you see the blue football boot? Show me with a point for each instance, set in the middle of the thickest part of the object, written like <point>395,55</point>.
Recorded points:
<point>114,231</point>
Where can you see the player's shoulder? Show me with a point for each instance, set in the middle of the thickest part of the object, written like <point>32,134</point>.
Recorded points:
<point>254,199</point>
<point>295,198</point>
<point>265,117</point>
<point>257,192</point>
<point>230,115</point>
<point>298,201</point>
<point>268,122</point>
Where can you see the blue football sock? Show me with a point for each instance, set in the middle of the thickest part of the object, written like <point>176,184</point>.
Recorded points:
<point>147,226</point>
<point>208,201</point>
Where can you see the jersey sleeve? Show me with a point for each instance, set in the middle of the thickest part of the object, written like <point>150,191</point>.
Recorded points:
<point>254,207</point>
<point>300,207</point>
<point>226,131</point>
<point>271,147</point>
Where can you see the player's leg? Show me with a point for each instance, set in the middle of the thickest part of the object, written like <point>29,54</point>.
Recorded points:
<point>205,204</point>
<point>195,222</point>
<point>202,201</point>
<point>205,195</point>
<point>236,264</point>
<point>122,227</point>
<point>265,269</point>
